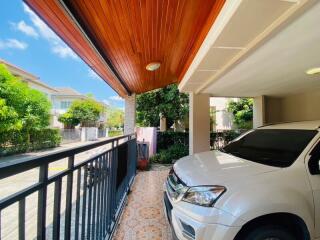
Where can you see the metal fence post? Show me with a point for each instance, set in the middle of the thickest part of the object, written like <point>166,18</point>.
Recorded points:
<point>67,226</point>
<point>42,202</point>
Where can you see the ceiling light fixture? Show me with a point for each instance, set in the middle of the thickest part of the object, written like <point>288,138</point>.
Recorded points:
<point>153,66</point>
<point>312,71</point>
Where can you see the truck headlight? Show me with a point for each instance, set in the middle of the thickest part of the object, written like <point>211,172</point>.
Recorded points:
<point>203,195</point>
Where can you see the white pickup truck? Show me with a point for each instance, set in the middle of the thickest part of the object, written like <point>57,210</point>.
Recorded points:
<point>264,185</point>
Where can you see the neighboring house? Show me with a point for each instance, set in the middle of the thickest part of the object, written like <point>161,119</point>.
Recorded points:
<point>103,116</point>
<point>223,120</point>
<point>60,97</point>
<point>61,101</point>
<point>32,80</point>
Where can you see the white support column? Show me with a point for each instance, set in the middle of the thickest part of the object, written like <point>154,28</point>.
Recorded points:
<point>130,114</point>
<point>199,123</point>
<point>258,111</point>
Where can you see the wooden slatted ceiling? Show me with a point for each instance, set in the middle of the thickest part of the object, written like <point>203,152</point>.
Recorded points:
<point>133,33</point>
<point>52,13</point>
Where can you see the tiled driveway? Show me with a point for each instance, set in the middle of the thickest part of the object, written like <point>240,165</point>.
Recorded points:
<point>143,217</point>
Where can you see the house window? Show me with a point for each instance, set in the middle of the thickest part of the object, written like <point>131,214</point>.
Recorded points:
<point>65,104</point>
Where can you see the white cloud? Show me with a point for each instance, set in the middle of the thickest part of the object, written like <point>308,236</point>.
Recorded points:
<point>105,101</point>
<point>57,45</point>
<point>25,28</point>
<point>13,43</point>
<point>116,98</point>
<point>44,30</point>
<point>92,74</point>
<point>63,51</point>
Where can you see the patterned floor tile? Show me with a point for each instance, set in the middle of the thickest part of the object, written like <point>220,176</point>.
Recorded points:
<point>143,217</point>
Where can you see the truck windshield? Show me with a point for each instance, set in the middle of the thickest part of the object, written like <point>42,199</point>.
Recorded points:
<point>273,147</point>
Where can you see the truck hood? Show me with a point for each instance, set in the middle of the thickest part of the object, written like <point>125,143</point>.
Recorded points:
<point>216,168</point>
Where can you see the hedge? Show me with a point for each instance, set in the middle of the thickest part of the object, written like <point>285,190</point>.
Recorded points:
<point>169,138</point>
<point>17,141</point>
<point>171,154</point>
<point>115,133</point>
<point>171,146</point>
<point>174,145</point>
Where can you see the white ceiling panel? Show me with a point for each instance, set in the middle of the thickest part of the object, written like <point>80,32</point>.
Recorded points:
<point>278,67</point>
<point>201,76</point>
<point>251,19</point>
<point>245,55</point>
<point>217,57</point>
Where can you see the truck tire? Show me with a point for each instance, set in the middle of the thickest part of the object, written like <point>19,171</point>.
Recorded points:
<point>270,232</point>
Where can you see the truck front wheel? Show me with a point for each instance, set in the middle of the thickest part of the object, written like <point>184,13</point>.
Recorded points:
<point>270,233</point>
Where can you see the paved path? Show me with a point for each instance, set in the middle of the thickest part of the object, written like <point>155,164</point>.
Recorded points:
<point>29,155</point>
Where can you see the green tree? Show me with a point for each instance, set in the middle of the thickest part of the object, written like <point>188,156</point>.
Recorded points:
<point>168,102</point>
<point>29,107</point>
<point>242,111</point>
<point>8,118</point>
<point>115,117</point>
<point>84,111</point>
<point>68,120</point>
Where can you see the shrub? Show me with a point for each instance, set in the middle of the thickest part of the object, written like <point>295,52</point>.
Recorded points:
<point>115,133</point>
<point>171,154</point>
<point>232,134</point>
<point>69,122</point>
<point>169,138</point>
<point>16,141</point>
<point>45,138</point>
<point>155,158</point>
<point>174,145</point>
<point>24,116</point>
<point>21,107</point>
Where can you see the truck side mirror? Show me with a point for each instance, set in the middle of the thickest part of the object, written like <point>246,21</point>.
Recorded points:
<point>314,161</point>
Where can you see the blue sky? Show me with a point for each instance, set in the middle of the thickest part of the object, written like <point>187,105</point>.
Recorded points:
<point>27,42</point>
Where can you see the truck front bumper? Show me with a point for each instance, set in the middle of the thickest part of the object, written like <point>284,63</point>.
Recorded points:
<point>184,227</point>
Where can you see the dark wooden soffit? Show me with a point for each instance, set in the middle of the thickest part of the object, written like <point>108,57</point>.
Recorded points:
<point>129,34</point>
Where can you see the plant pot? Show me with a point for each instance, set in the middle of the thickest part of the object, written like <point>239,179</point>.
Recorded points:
<point>143,164</point>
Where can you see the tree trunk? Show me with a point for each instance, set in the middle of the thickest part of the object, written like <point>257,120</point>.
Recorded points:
<point>163,124</point>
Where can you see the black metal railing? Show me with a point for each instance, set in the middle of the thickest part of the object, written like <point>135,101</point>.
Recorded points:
<point>95,191</point>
